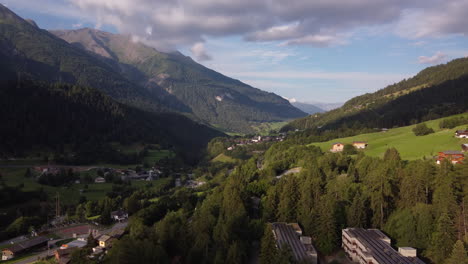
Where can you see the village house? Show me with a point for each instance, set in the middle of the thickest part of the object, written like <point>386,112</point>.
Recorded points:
<point>290,234</point>
<point>337,147</point>
<point>455,157</point>
<point>360,144</point>
<point>23,247</point>
<point>105,241</point>
<point>371,246</point>
<point>100,180</point>
<point>119,215</point>
<point>461,133</point>
<point>63,256</point>
<point>464,147</point>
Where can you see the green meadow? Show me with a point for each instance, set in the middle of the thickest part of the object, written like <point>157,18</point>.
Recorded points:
<point>69,194</point>
<point>411,147</point>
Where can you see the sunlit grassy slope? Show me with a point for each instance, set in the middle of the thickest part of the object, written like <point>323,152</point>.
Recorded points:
<point>403,139</point>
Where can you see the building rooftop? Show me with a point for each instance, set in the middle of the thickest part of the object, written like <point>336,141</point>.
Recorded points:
<point>104,238</point>
<point>290,234</point>
<point>452,152</point>
<point>378,246</point>
<point>18,247</point>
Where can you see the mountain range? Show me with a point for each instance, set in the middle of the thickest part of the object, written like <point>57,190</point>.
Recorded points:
<point>138,75</point>
<point>182,84</point>
<point>435,92</point>
<point>54,95</point>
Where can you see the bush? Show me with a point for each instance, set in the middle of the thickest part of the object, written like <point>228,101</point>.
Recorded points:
<point>453,122</point>
<point>349,149</point>
<point>422,130</point>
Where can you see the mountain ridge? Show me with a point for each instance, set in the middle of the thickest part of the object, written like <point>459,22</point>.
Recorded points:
<point>211,96</point>
<point>434,92</point>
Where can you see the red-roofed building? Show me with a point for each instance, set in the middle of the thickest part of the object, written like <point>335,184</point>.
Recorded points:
<point>455,157</point>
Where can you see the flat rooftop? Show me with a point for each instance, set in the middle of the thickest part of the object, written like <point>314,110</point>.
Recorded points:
<point>378,248</point>
<point>286,234</point>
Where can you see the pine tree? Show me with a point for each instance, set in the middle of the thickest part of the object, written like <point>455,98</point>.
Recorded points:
<point>357,215</point>
<point>288,200</point>
<point>458,255</point>
<point>442,239</point>
<point>268,251</point>
<point>326,236</point>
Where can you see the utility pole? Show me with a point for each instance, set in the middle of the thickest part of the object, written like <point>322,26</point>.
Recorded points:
<point>57,206</point>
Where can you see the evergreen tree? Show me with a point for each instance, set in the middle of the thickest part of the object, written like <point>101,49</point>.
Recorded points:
<point>458,255</point>
<point>356,213</point>
<point>442,239</point>
<point>288,200</point>
<point>268,250</point>
<point>326,237</point>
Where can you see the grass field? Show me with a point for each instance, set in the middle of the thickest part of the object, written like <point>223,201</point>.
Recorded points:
<point>403,139</point>
<point>223,158</point>
<point>265,128</point>
<point>68,195</point>
<point>156,155</point>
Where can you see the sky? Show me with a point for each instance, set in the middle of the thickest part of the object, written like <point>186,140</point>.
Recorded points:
<point>305,50</point>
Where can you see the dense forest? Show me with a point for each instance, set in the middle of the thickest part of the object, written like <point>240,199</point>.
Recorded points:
<point>433,93</point>
<point>417,203</point>
<point>80,120</point>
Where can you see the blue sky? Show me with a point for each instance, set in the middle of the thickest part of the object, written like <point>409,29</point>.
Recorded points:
<point>309,50</point>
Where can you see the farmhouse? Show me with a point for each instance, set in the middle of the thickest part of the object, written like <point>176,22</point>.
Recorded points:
<point>461,133</point>
<point>22,247</point>
<point>371,246</point>
<point>337,147</point>
<point>455,157</point>
<point>119,215</point>
<point>360,144</point>
<point>464,147</point>
<point>291,235</point>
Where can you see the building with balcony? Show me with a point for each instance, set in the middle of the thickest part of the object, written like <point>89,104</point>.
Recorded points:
<point>371,246</point>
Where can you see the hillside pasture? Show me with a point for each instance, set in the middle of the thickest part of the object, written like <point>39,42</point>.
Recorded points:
<point>411,147</point>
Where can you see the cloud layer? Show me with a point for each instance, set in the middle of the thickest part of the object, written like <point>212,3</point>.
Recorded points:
<point>296,22</point>
<point>170,24</point>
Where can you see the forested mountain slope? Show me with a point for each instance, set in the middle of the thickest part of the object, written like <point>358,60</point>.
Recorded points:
<point>53,116</point>
<point>40,55</point>
<point>209,95</point>
<point>434,92</point>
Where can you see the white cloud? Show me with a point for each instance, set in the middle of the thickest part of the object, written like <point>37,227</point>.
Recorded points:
<point>77,25</point>
<point>438,18</point>
<point>199,52</point>
<point>437,58</point>
<point>169,24</point>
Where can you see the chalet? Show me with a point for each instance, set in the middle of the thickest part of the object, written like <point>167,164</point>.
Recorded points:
<point>455,157</point>
<point>461,133</point>
<point>464,147</point>
<point>371,246</point>
<point>22,247</point>
<point>119,215</point>
<point>337,147</point>
<point>360,144</point>
<point>105,241</point>
<point>290,234</point>
<point>100,180</point>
